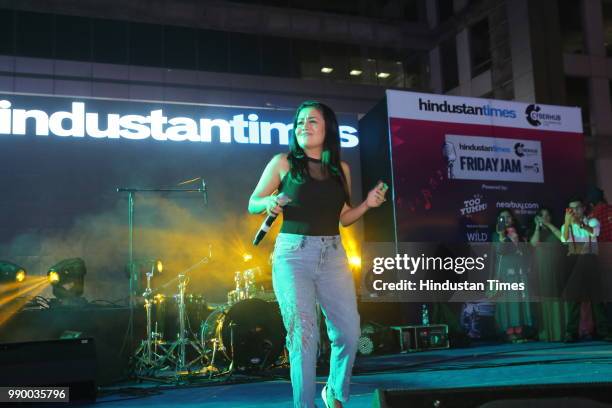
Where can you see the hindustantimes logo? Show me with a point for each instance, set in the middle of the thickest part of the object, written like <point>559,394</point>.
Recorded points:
<point>536,117</point>
<point>465,109</point>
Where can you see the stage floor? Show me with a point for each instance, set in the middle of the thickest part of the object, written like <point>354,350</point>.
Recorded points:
<point>492,365</point>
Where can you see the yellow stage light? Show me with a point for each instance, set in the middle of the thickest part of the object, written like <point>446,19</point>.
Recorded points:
<point>53,277</point>
<point>20,276</point>
<point>11,272</point>
<point>355,261</point>
<point>159,266</point>
<point>246,257</point>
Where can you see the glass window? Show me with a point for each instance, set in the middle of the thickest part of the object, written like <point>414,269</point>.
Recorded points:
<point>448,60</point>
<point>570,20</point>
<point>480,47</point>
<point>73,38</point>
<point>334,56</point>
<point>361,67</point>
<point>577,94</point>
<point>306,59</point>
<point>110,41</point>
<point>390,73</point>
<point>35,34</point>
<point>146,44</point>
<point>180,47</point>
<point>213,50</point>
<point>7,32</point>
<point>384,67</point>
<point>245,54</point>
<point>276,56</point>
<point>416,71</point>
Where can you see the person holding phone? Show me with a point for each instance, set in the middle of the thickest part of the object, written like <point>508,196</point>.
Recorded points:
<point>583,279</point>
<point>548,267</point>
<point>309,263</point>
<point>513,312</point>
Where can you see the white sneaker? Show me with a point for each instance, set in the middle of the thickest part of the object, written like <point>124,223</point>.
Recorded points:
<point>324,397</point>
<point>328,400</point>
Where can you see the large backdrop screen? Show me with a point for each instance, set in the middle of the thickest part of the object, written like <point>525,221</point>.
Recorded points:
<point>64,158</point>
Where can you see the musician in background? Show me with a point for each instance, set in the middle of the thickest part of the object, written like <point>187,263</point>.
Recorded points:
<point>309,261</point>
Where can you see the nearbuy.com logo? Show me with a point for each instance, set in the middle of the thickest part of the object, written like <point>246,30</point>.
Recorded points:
<point>78,122</point>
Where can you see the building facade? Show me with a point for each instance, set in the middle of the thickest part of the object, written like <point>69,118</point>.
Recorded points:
<point>276,53</point>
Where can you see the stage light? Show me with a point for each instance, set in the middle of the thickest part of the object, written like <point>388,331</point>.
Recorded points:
<point>68,278</point>
<point>10,272</point>
<point>246,257</point>
<point>383,75</point>
<point>355,261</point>
<point>159,266</point>
<point>53,277</point>
<point>327,70</point>
<point>355,72</point>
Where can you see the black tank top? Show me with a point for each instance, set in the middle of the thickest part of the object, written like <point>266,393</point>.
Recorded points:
<point>315,204</point>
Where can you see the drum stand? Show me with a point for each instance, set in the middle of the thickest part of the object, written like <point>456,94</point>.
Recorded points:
<point>132,270</point>
<point>146,357</point>
<point>154,356</point>
<point>182,341</point>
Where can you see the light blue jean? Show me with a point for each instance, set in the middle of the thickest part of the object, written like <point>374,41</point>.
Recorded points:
<point>309,269</point>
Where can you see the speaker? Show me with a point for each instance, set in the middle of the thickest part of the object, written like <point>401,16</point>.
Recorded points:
<point>106,325</point>
<point>54,363</point>
<point>541,395</point>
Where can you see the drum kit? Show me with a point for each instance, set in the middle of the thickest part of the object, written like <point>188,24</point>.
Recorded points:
<point>186,336</point>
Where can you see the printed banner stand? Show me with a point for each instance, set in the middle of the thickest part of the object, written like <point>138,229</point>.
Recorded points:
<point>453,162</point>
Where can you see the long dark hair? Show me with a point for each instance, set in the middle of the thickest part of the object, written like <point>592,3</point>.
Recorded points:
<point>330,157</point>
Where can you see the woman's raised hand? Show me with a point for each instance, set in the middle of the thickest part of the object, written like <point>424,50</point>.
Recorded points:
<point>376,196</point>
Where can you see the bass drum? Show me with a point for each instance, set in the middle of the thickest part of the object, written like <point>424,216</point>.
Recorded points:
<point>250,333</point>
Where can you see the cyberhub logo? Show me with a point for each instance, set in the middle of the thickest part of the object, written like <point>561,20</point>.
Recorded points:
<point>536,117</point>
<point>520,150</point>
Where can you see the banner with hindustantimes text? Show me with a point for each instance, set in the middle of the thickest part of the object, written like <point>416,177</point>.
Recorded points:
<point>458,161</point>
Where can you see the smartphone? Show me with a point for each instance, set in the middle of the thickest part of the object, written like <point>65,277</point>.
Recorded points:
<point>501,223</point>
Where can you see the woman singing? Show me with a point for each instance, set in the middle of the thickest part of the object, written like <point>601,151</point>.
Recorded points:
<point>309,261</point>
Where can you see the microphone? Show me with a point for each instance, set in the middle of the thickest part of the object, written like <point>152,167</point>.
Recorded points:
<point>283,200</point>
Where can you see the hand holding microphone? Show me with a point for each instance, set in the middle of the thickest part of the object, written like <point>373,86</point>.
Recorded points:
<point>274,206</point>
